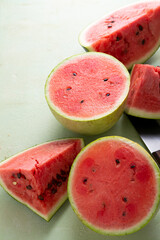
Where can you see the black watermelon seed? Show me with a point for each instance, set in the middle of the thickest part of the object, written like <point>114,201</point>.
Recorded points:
<point>124,214</point>
<point>117,161</point>
<point>58,176</point>
<point>81,101</point>
<point>85,180</point>
<point>23,176</point>
<point>64,179</point>
<point>63,172</point>
<point>140,27</point>
<point>19,175</point>
<point>54,190</point>
<point>124,199</point>
<point>54,181</point>
<point>29,187</point>
<point>49,185</point>
<point>107,94</point>
<point>137,33</point>
<point>105,79</point>
<point>133,166</point>
<point>59,184</point>
<point>74,74</point>
<point>143,41</point>
<point>109,26</point>
<point>117,38</point>
<point>69,88</point>
<point>112,21</point>
<point>40,197</point>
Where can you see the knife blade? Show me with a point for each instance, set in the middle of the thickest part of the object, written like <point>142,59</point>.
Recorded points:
<point>149,131</point>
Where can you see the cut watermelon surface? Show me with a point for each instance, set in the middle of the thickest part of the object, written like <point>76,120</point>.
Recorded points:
<point>87,92</point>
<point>144,95</point>
<point>114,186</point>
<point>38,176</point>
<point>131,34</point>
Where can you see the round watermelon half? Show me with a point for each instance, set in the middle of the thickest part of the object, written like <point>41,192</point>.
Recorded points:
<point>131,34</point>
<point>114,186</point>
<point>87,92</point>
<point>144,94</point>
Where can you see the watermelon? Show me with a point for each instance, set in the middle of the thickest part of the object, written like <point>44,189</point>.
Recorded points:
<point>131,34</point>
<point>87,92</point>
<point>38,176</point>
<point>144,95</point>
<point>114,186</point>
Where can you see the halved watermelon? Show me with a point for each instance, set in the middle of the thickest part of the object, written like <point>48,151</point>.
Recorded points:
<point>38,176</point>
<point>114,186</point>
<point>87,92</point>
<point>131,34</point>
<point>144,95</point>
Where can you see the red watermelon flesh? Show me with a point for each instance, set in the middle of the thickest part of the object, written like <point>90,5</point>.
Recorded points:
<point>114,186</point>
<point>87,85</point>
<point>144,95</point>
<point>38,177</point>
<point>131,34</point>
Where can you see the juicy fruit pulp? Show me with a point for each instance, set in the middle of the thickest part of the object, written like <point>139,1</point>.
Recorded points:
<point>38,177</point>
<point>131,34</point>
<point>114,186</point>
<point>144,95</point>
<point>85,88</point>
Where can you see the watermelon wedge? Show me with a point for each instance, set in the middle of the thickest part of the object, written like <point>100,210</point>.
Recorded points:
<point>114,186</point>
<point>87,92</point>
<point>131,34</point>
<point>144,95</point>
<point>38,176</point>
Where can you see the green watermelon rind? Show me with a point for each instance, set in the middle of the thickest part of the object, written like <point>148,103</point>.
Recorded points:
<point>93,125</point>
<point>150,215</point>
<point>142,113</point>
<point>61,200</point>
<point>90,49</point>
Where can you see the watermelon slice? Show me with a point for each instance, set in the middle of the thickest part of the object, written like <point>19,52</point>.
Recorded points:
<point>38,176</point>
<point>144,95</point>
<point>114,186</point>
<point>87,92</point>
<point>131,34</point>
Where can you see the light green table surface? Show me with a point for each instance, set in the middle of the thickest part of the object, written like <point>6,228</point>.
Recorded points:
<point>35,35</point>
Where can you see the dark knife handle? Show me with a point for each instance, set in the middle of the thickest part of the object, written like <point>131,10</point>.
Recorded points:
<point>156,156</point>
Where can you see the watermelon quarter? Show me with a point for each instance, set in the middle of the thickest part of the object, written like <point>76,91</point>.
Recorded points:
<point>144,94</point>
<point>114,186</point>
<point>38,176</point>
<point>131,34</point>
<point>87,92</point>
